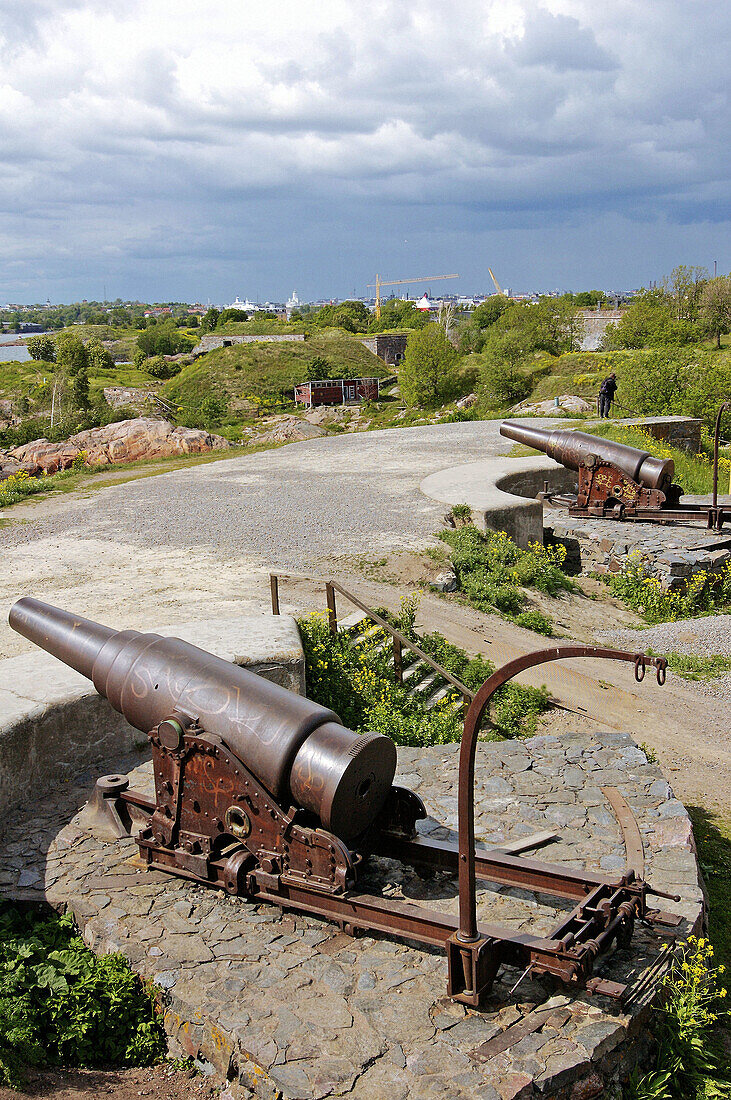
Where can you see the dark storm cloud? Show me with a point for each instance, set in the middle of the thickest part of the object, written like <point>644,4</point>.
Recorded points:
<point>192,134</point>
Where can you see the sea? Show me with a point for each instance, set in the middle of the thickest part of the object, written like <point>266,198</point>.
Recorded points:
<point>10,349</point>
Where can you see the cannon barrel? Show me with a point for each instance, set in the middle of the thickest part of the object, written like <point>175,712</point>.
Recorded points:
<point>571,449</point>
<point>297,749</point>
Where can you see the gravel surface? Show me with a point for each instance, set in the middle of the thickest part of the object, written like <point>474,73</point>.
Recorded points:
<point>291,506</point>
<point>701,637</point>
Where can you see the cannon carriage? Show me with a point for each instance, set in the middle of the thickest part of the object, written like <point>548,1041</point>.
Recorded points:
<point>616,481</point>
<point>266,795</point>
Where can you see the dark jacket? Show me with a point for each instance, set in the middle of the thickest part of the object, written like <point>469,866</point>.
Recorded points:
<point>608,388</point>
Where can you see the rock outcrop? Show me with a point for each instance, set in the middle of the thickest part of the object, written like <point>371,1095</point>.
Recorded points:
<point>569,402</point>
<point>125,441</point>
<point>283,429</point>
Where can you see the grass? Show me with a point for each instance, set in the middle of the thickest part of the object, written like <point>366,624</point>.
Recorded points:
<point>266,370</point>
<point>713,839</point>
<point>692,667</point>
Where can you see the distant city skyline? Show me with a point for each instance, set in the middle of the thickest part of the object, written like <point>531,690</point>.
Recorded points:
<point>174,149</point>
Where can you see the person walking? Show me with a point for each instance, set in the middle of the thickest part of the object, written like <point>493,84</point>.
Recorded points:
<point>607,391</point>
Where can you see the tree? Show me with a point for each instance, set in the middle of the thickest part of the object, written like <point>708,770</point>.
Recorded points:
<point>715,307</point>
<point>71,355</point>
<point>397,313</point>
<point>474,333</point>
<point>428,374</point>
<point>42,348</point>
<point>503,381</point>
<point>80,389</point>
<point>685,286</point>
<point>352,316</point>
<point>162,339</point>
<point>99,357</point>
<point>650,321</point>
<point>209,319</point>
<point>232,315</point>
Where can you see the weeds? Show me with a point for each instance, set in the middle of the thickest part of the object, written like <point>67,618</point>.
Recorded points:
<point>62,1005</point>
<point>357,681</point>
<point>492,573</point>
<point>21,485</point>
<point>692,667</point>
<point>704,594</point>
<point>690,1064</point>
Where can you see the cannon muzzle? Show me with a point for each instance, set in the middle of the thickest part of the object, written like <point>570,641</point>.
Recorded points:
<point>572,448</point>
<point>297,749</point>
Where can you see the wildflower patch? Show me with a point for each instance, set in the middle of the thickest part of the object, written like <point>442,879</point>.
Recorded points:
<point>357,681</point>
<point>493,573</point>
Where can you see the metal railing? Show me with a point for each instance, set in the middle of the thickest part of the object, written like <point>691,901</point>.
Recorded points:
<point>399,640</point>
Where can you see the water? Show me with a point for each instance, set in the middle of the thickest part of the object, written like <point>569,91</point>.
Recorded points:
<point>7,352</point>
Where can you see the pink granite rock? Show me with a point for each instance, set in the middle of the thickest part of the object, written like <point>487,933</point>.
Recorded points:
<point>125,441</point>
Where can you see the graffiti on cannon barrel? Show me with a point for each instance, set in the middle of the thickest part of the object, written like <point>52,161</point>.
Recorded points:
<point>265,794</point>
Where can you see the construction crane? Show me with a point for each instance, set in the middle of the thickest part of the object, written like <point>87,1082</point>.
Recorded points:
<point>398,282</point>
<point>498,288</point>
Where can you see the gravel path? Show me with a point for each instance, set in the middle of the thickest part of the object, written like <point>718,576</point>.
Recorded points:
<point>701,637</point>
<point>291,506</point>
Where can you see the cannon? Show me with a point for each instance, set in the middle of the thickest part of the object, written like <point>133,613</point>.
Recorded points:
<point>265,794</point>
<point>615,481</point>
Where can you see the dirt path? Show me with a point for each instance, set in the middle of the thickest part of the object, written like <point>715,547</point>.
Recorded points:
<point>687,731</point>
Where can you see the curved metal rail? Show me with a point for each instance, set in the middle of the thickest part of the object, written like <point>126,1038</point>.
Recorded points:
<point>468,932</point>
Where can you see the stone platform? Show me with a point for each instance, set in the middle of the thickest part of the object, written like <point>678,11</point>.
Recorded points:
<point>673,554</point>
<point>286,1005</point>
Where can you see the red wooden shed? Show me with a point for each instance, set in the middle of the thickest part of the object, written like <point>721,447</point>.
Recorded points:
<point>341,391</point>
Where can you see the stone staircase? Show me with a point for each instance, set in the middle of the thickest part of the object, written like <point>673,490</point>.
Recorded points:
<point>422,682</point>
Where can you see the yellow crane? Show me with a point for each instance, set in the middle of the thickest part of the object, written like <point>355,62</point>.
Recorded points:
<point>498,288</point>
<point>398,282</point>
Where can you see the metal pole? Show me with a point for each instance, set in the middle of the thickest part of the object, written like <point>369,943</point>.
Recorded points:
<point>274,585</point>
<point>716,441</point>
<point>332,614</point>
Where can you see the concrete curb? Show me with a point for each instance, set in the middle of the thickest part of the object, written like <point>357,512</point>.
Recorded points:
<point>501,492</point>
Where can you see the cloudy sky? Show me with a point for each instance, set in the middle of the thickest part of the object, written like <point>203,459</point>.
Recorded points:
<point>192,149</point>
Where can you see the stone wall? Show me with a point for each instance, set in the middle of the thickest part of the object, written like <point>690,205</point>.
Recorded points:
<point>595,322</point>
<point>211,342</point>
<point>683,432</point>
<point>672,554</point>
<point>388,346</point>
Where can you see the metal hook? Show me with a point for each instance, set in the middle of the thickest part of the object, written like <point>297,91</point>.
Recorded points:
<point>662,674</point>
<point>639,668</point>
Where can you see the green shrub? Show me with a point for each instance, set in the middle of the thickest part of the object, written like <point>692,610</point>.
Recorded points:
<point>62,1005</point>
<point>159,367</point>
<point>358,683</point>
<point>492,572</point>
<point>704,593</point>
